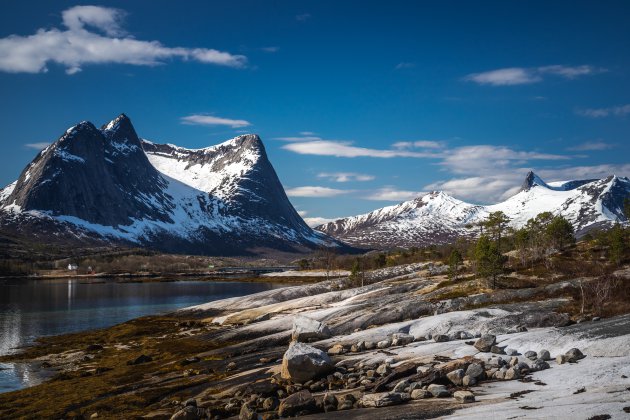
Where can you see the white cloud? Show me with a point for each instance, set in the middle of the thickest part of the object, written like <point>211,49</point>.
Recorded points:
<point>345,176</point>
<point>302,213</point>
<point>37,146</point>
<point>200,119</point>
<point>420,144</point>
<point>521,75</point>
<point>339,148</point>
<point>392,194</point>
<point>306,133</point>
<point>482,189</point>
<point>488,158</point>
<point>504,77</point>
<point>616,111</point>
<point>316,221</point>
<point>270,49</point>
<point>77,46</point>
<point>404,65</point>
<point>314,191</point>
<point>591,145</point>
<point>584,172</point>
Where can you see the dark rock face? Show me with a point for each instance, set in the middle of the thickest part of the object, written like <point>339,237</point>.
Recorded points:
<point>106,187</point>
<point>98,176</point>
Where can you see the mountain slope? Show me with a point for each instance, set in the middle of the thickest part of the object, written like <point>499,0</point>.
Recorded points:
<point>437,218</point>
<point>106,185</point>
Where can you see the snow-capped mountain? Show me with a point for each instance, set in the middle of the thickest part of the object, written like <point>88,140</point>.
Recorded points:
<point>437,218</point>
<point>107,185</point>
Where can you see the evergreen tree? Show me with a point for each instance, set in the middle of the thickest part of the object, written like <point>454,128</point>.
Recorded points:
<point>455,260</point>
<point>495,224</point>
<point>489,260</point>
<point>559,232</point>
<point>626,208</point>
<point>617,244</point>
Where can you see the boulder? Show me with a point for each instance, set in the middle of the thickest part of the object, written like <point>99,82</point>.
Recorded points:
<point>464,397</point>
<point>441,338</point>
<point>512,373</point>
<point>456,376</point>
<point>419,394</point>
<point>544,355</point>
<point>269,403</point>
<point>347,402</point>
<point>574,355</point>
<point>540,364</point>
<point>497,349</point>
<point>402,339</point>
<point>301,402</point>
<point>531,355</point>
<point>561,359</point>
<point>336,349</point>
<point>330,402</point>
<point>143,358</point>
<point>384,399</point>
<point>511,352</point>
<point>485,342</point>
<point>248,412</point>
<point>469,381</point>
<point>401,386</point>
<point>308,329</point>
<point>383,369</point>
<point>475,370</point>
<point>189,413</point>
<point>370,345</point>
<point>302,362</point>
<point>438,391</point>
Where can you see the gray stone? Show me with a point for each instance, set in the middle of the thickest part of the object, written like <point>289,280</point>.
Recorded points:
<point>402,339</point>
<point>370,345</point>
<point>511,352</point>
<point>269,403</point>
<point>302,362</point>
<point>485,342</point>
<point>475,370</point>
<point>464,397</point>
<point>294,404</point>
<point>531,355</point>
<point>497,349</point>
<point>330,402</point>
<point>544,355</point>
<point>438,391</point>
<point>574,355</point>
<point>469,381</point>
<point>456,376</point>
<point>308,329</point>
<point>561,359</point>
<point>419,394</point>
<point>512,373</point>
<point>540,364</point>
<point>401,386</point>
<point>383,369</point>
<point>441,338</point>
<point>383,399</point>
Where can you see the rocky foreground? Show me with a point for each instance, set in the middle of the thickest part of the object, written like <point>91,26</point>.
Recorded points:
<point>408,345</point>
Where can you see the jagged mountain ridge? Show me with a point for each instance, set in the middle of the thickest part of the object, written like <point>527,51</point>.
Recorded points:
<point>437,218</point>
<point>108,185</point>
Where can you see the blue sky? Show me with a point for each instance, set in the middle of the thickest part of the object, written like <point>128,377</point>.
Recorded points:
<point>360,104</point>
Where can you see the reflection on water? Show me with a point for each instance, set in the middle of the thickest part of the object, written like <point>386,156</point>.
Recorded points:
<point>33,308</point>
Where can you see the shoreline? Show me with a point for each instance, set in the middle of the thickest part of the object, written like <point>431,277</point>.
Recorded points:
<point>222,353</point>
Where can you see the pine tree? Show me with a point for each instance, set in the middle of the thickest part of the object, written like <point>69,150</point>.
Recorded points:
<point>560,232</point>
<point>454,262</point>
<point>489,260</point>
<point>617,244</point>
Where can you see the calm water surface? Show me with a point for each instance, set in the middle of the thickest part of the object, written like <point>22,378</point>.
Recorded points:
<point>33,308</point>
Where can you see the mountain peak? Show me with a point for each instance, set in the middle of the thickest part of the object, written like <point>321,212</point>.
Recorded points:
<point>531,180</point>
<point>121,121</point>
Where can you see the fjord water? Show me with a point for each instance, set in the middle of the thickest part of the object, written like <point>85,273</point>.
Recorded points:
<point>35,308</point>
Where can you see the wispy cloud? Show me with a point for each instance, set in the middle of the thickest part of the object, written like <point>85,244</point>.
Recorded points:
<point>526,75</point>
<point>419,144</point>
<point>315,191</point>
<point>200,119</point>
<point>615,111</point>
<point>484,189</point>
<point>316,221</point>
<point>94,35</point>
<point>270,49</point>
<point>393,194</point>
<point>591,145</point>
<point>37,146</point>
<point>475,159</point>
<point>311,145</point>
<point>405,65</point>
<point>345,176</point>
<point>302,17</point>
